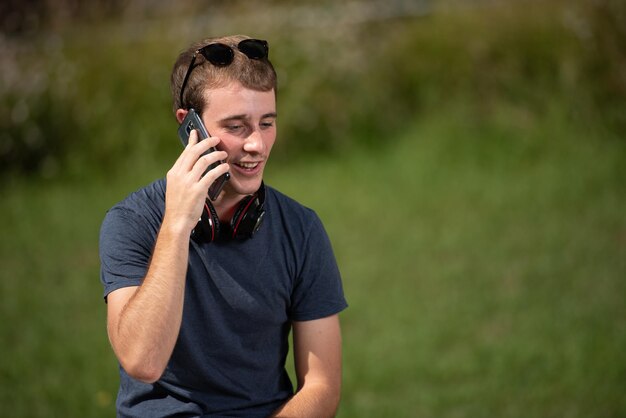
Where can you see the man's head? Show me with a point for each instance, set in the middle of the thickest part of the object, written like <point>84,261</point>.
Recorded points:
<point>252,73</point>
<point>233,88</point>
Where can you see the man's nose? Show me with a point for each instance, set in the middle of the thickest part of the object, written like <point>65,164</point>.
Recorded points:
<point>254,142</point>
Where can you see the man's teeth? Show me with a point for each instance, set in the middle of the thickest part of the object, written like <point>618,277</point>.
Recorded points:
<point>247,165</point>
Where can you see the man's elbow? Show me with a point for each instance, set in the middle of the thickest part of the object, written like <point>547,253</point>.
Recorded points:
<point>140,363</point>
<point>328,396</point>
<point>329,402</point>
<point>146,376</point>
<point>334,397</point>
<point>143,371</point>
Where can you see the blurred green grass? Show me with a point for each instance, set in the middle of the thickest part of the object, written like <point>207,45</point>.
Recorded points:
<point>468,165</point>
<point>484,267</point>
<point>349,73</point>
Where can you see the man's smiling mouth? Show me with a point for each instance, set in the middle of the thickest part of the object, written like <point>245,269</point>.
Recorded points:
<point>247,165</point>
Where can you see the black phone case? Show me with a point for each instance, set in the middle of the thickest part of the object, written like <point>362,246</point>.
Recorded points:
<point>192,121</point>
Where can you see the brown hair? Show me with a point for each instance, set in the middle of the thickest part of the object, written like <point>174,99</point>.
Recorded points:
<point>252,74</point>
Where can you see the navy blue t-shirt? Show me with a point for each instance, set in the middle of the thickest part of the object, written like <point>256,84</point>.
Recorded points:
<point>240,299</point>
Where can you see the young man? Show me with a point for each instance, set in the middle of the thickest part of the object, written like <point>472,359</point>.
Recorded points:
<point>200,325</point>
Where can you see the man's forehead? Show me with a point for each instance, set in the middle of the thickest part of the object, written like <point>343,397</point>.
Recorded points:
<point>234,87</point>
<point>237,102</point>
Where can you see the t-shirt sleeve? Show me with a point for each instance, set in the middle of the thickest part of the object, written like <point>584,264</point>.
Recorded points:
<point>318,291</point>
<point>126,246</point>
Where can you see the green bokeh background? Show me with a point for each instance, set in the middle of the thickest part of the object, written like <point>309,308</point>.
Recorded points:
<point>467,158</point>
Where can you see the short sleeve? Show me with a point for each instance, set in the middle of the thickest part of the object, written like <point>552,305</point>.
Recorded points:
<point>126,246</point>
<point>318,291</point>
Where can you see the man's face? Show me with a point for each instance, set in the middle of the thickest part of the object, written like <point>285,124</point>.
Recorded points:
<point>245,122</point>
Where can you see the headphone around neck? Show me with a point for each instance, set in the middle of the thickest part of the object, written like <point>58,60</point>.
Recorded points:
<point>245,222</point>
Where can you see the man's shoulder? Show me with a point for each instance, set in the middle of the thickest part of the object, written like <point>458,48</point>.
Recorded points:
<point>144,206</point>
<point>152,194</point>
<point>289,215</point>
<point>286,203</point>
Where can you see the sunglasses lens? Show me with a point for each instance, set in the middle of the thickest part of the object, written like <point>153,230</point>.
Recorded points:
<point>218,54</point>
<point>255,49</point>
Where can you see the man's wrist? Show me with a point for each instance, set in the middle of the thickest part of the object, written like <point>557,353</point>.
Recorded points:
<point>175,229</point>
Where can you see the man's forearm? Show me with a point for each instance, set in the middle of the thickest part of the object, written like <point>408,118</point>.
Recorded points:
<point>315,401</point>
<point>149,323</point>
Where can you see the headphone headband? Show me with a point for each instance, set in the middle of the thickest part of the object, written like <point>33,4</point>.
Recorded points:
<point>245,222</point>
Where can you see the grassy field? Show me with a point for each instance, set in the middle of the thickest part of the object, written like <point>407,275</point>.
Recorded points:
<point>468,163</point>
<point>485,268</point>
<point>484,262</point>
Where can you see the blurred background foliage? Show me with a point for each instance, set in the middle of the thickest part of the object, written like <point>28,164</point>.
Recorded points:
<point>85,84</point>
<point>466,157</point>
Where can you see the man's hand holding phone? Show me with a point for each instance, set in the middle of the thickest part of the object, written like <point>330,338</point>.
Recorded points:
<point>191,122</point>
<point>188,181</point>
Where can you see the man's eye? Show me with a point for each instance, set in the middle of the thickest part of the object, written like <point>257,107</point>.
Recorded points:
<point>267,124</point>
<point>234,128</point>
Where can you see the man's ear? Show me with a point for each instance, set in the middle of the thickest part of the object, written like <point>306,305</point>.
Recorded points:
<point>180,115</point>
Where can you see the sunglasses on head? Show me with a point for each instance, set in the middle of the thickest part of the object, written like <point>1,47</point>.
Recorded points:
<point>222,55</point>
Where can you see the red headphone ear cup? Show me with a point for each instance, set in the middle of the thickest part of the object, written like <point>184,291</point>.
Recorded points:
<point>249,215</point>
<point>208,227</point>
<point>240,214</point>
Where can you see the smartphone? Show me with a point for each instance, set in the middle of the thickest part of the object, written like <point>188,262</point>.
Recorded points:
<point>192,121</point>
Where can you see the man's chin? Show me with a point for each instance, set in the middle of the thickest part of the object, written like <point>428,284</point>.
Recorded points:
<point>239,187</point>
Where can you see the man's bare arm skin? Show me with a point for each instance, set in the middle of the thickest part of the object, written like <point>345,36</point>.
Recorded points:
<point>143,321</point>
<point>317,355</point>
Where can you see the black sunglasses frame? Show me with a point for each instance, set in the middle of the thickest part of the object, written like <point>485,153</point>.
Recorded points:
<point>221,55</point>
